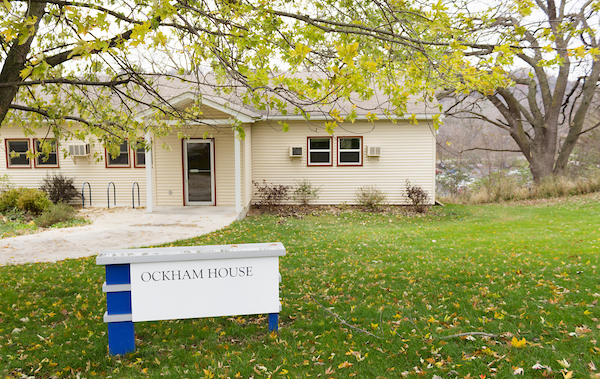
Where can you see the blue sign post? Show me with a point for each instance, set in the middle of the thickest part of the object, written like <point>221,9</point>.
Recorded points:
<point>121,336</point>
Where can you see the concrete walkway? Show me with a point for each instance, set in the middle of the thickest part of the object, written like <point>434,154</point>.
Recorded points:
<point>115,228</point>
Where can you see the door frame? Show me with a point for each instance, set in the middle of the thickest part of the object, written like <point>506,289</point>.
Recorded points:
<point>184,157</point>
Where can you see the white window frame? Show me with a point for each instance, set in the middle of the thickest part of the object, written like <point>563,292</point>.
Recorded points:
<point>309,151</point>
<point>40,156</point>
<point>119,165</point>
<point>8,150</point>
<point>359,151</point>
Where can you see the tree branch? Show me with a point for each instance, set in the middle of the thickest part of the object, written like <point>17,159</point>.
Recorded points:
<point>487,149</point>
<point>342,321</point>
<point>44,113</point>
<point>88,83</point>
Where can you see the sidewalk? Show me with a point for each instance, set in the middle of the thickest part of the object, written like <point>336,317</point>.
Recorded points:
<point>115,228</point>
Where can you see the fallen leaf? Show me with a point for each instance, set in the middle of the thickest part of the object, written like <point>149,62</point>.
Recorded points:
<point>564,363</point>
<point>346,364</point>
<point>518,371</point>
<point>518,344</point>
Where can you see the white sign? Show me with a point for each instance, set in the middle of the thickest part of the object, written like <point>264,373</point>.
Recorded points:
<point>204,288</point>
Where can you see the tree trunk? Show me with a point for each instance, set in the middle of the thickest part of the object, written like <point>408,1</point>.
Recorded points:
<point>541,166</point>
<point>17,58</point>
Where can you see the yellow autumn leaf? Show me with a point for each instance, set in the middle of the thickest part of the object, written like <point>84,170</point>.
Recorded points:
<point>567,375</point>
<point>516,343</point>
<point>346,364</point>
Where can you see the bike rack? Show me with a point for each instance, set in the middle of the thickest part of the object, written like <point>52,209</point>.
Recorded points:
<point>83,194</point>
<point>114,194</point>
<point>133,196</point>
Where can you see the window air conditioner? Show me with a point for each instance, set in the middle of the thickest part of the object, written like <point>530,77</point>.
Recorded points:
<point>81,150</point>
<point>374,151</point>
<point>295,151</point>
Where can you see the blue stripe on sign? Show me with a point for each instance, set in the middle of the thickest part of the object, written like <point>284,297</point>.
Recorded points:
<point>118,274</point>
<point>118,302</point>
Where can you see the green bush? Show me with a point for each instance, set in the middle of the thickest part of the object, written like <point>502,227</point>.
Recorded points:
<point>59,188</point>
<point>9,199</point>
<point>33,201</point>
<point>55,213</point>
<point>305,192</point>
<point>370,197</point>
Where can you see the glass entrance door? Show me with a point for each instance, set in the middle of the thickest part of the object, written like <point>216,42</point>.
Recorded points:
<point>199,172</point>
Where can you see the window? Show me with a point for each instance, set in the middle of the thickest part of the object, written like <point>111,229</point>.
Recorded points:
<point>16,153</point>
<point>349,151</point>
<point>319,151</point>
<point>122,160</point>
<point>46,152</point>
<point>140,157</point>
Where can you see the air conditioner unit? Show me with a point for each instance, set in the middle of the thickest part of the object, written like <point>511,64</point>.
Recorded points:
<point>373,151</point>
<point>295,151</point>
<point>80,150</point>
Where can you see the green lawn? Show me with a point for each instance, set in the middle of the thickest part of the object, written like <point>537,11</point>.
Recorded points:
<point>525,274</point>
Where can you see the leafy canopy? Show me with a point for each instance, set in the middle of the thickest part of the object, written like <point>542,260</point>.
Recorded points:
<point>98,63</point>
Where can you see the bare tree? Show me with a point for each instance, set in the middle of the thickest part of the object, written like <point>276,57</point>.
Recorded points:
<point>541,61</point>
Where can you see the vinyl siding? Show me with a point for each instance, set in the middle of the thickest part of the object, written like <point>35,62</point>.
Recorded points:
<point>90,169</point>
<point>407,152</point>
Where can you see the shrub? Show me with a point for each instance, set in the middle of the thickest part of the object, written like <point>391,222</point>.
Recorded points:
<point>33,201</point>
<point>305,192</point>
<point>272,194</point>
<point>502,186</point>
<point>5,183</point>
<point>417,196</point>
<point>59,188</point>
<point>497,186</point>
<point>370,197</point>
<point>55,213</point>
<point>9,199</point>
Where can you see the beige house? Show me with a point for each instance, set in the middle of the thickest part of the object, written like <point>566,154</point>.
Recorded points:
<point>215,168</point>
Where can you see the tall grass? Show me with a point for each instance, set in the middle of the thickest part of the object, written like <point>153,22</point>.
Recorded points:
<point>500,186</point>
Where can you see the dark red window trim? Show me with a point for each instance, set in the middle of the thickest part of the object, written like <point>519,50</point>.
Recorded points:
<point>214,165</point>
<point>361,152</point>
<point>7,152</point>
<point>106,156</point>
<point>35,161</point>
